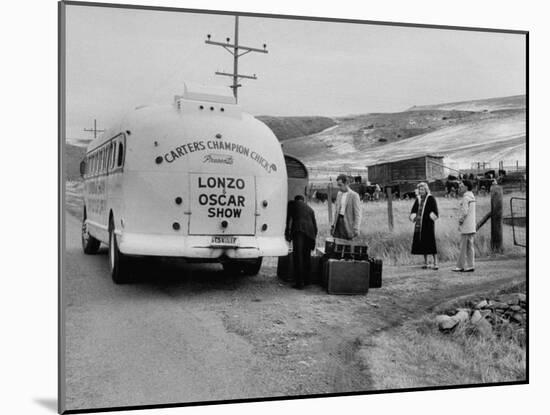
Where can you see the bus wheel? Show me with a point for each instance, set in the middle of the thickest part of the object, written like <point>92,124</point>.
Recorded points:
<point>118,262</point>
<point>252,267</point>
<point>90,245</point>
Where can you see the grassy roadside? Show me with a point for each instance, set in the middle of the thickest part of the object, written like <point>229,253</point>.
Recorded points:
<point>417,354</point>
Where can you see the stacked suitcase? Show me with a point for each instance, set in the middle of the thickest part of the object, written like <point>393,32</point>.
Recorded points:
<point>348,269</point>
<point>375,273</point>
<point>343,268</point>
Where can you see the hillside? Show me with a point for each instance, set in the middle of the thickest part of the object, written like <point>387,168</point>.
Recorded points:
<point>488,130</point>
<point>490,104</point>
<point>73,156</point>
<point>496,132</point>
<point>285,128</point>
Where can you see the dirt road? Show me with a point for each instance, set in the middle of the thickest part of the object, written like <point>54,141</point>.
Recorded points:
<point>191,333</point>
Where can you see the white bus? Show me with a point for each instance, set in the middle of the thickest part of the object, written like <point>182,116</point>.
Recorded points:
<point>199,180</point>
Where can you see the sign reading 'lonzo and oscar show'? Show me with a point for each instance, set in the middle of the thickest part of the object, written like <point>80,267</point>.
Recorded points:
<point>221,204</point>
<point>198,146</point>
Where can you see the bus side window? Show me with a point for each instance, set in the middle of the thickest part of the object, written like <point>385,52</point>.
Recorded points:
<point>113,158</point>
<point>107,154</point>
<point>110,158</point>
<point>113,155</point>
<point>120,154</point>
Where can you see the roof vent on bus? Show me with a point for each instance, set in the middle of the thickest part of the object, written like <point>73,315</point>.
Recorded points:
<point>195,92</point>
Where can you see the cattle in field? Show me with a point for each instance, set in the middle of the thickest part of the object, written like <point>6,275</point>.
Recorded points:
<point>408,195</point>
<point>451,186</point>
<point>394,190</point>
<point>360,189</point>
<point>484,184</point>
<point>372,192</point>
<point>320,196</point>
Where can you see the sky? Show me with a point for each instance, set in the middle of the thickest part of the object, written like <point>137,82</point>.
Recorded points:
<point>117,59</point>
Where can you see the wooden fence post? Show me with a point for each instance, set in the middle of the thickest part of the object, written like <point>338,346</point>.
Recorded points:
<point>496,218</point>
<point>390,207</point>
<point>329,200</point>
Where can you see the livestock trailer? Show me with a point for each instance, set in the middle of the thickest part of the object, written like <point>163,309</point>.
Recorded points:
<point>404,174</point>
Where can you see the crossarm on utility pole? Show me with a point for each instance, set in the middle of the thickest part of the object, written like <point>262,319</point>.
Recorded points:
<point>238,75</point>
<point>233,46</point>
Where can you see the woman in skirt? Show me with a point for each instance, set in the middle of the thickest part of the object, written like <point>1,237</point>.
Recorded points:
<point>424,213</point>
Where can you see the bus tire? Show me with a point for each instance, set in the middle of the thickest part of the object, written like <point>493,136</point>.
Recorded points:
<point>119,263</point>
<point>90,245</point>
<point>252,267</point>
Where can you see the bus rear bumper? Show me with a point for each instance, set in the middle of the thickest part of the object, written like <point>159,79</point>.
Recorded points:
<point>199,246</point>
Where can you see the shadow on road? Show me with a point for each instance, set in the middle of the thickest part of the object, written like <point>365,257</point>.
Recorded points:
<point>194,277</point>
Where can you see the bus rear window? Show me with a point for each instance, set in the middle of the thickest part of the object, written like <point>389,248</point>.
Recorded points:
<point>120,154</point>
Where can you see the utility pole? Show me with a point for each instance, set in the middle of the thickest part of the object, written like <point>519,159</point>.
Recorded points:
<point>235,50</point>
<point>94,130</point>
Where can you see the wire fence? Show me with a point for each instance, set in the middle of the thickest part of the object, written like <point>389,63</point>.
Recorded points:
<point>518,219</point>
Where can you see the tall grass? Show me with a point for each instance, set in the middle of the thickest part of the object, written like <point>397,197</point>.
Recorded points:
<point>394,247</point>
<point>417,354</point>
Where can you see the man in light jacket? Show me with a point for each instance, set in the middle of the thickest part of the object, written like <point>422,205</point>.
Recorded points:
<point>347,213</point>
<point>467,228</point>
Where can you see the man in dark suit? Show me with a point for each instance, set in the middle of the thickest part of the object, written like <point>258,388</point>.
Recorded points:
<point>301,229</point>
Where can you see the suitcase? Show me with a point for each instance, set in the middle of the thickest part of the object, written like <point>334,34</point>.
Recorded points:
<point>375,273</point>
<point>343,249</point>
<point>285,266</point>
<point>346,276</point>
<point>316,266</point>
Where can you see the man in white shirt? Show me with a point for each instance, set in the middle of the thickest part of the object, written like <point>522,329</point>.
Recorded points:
<point>347,217</point>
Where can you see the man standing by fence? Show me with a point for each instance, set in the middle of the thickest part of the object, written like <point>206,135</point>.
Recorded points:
<point>347,214</point>
<point>466,227</point>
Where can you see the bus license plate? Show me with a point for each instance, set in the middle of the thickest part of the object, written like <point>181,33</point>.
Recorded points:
<point>224,240</point>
